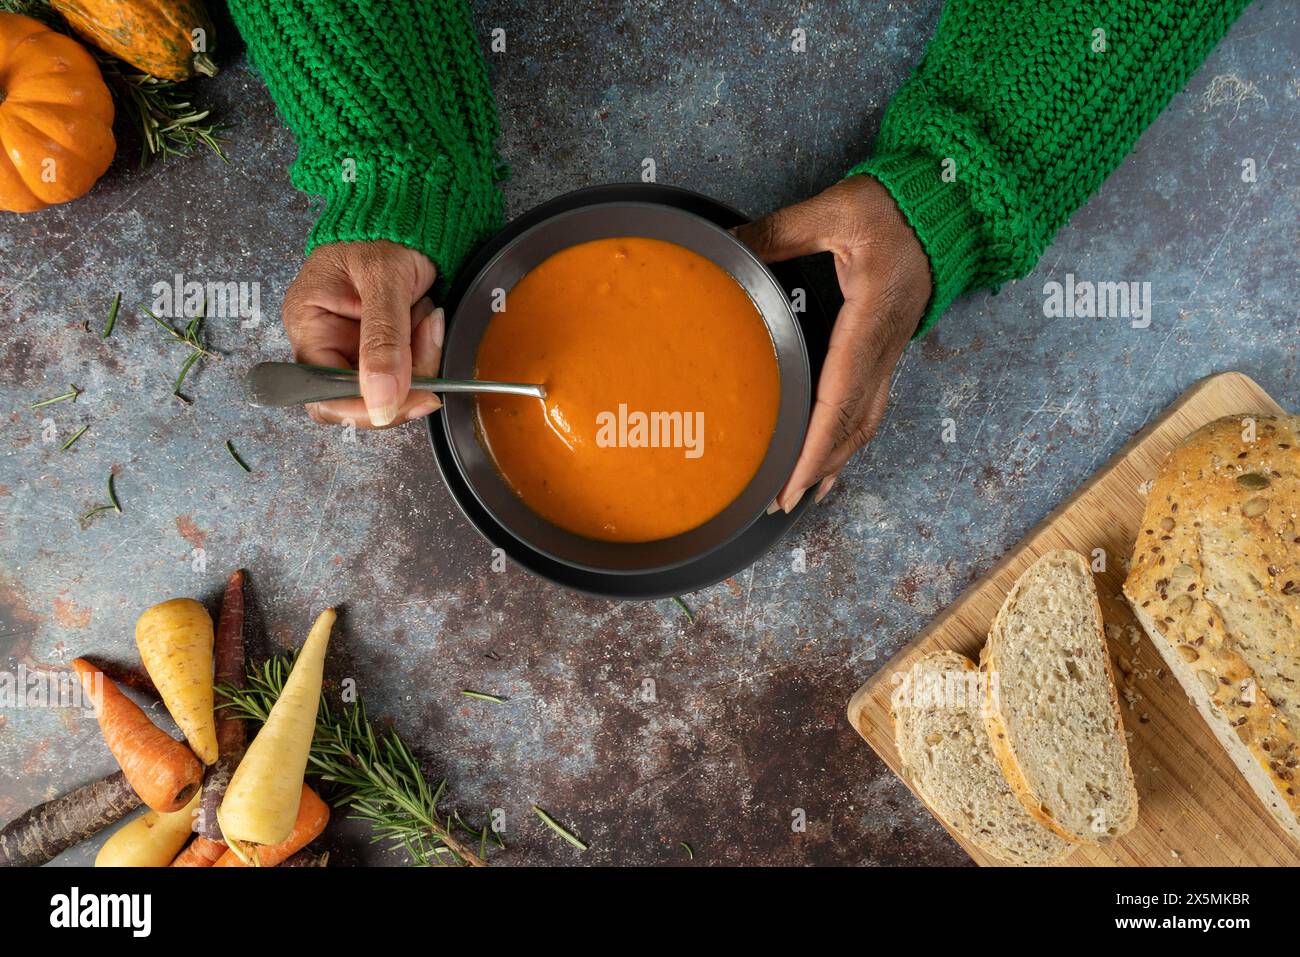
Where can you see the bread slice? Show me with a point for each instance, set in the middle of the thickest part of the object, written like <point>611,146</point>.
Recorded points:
<point>1052,714</point>
<point>1215,581</point>
<point>946,756</point>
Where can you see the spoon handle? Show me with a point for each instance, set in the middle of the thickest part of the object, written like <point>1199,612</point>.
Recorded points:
<point>292,383</point>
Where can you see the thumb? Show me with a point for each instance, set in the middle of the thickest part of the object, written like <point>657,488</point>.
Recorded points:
<point>799,230</point>
<point>384,351</point>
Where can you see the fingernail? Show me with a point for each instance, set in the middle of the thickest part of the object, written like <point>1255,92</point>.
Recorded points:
<point>427,407</point>
<point>794,501</point>
<point>438,327</point>
<point>774,508</point>
<point>824,490</point>
<point>381,398</point>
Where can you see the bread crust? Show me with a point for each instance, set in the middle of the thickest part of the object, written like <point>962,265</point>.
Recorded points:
<point>1220,486</point>
<point>995,719</point>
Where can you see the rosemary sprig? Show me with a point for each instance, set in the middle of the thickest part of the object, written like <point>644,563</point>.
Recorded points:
<point>484,696</point>
<point>192,337</point>
<point>235,455</point>
<point>169,124</point>
<point>372,772</point>
<point>75,435</point>
<point>67,396</point>
<point>559,828</point>
<point>112,316</point>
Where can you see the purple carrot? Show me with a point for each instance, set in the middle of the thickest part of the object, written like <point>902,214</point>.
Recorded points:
<point>123,674</point>
<point>49,829</point>
<point>308,858</point>
<point>228,653</point>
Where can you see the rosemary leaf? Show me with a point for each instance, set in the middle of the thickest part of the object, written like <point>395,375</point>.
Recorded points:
<point>112,316</point>
<point>690,615</point>
<point>235,455</point>
<point>484,696</point>
<point>70,395</point>
<point>558,828</point>
<point>76,435</point>
<point>690,854</point>
<point>186,366</point>
<point>113,506</point>
<point>190,337</point>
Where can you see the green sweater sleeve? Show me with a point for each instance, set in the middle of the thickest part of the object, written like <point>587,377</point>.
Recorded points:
<point>390,105</point>
<point>1016,114</point>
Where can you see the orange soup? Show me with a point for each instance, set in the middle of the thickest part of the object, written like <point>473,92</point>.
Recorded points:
<point>662,389</point>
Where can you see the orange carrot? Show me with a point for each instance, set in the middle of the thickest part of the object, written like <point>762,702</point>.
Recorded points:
<point>200,853</point>
<point>163,771</point>
<point>313,815</point>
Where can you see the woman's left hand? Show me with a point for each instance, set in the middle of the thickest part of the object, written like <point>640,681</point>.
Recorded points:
<point>884,275</point>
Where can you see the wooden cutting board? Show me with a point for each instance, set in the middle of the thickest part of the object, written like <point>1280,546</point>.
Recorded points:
<point>1195,806</point>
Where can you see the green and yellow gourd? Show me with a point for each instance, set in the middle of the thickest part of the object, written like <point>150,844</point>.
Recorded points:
<point>156,36</point>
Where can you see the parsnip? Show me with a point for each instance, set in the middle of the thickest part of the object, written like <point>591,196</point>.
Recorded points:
<point>313,815</point>
<point>261,802</point>
<point>151,840</point>
<point>175,642</point>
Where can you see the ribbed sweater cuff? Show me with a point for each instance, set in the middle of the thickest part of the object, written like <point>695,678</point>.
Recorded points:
<point>415,201</point>
<point>941,215</point>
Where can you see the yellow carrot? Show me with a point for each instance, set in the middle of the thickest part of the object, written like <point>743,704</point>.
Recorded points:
<point>151,840</point>
<point>261,802</point>
<point>175,642</point>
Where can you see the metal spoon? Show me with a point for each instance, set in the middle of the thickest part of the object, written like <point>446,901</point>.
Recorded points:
<point>291,383</point>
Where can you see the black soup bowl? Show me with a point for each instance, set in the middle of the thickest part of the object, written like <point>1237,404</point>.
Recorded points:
<point>604,221</point>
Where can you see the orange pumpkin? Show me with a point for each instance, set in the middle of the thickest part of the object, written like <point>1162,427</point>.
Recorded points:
<point>56,117</point>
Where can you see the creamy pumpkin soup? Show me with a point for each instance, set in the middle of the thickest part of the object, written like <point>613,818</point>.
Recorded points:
<point>662,389</point>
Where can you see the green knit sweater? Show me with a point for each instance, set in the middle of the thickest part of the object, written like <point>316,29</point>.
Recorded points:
<point>1017,112</point>
<point>395,123</point>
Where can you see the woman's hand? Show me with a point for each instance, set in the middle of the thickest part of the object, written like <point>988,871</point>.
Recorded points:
<point>884,275</point>
<point>362,305</point>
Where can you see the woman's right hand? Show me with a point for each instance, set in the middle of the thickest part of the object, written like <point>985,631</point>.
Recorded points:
<point>362,305</point>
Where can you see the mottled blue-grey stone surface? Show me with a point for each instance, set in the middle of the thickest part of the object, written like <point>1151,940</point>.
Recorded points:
<point>746,724</point>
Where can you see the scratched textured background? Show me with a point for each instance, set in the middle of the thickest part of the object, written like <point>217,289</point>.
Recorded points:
<point>748,724</point>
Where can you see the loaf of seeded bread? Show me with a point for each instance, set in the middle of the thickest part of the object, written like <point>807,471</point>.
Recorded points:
<point>946,756</point>
<point>1215,581</point>
<point>1052,714</point>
